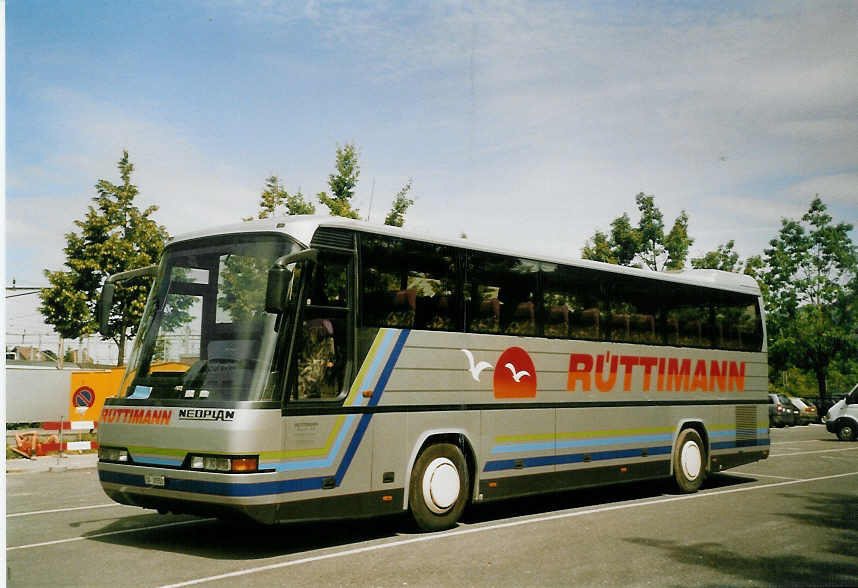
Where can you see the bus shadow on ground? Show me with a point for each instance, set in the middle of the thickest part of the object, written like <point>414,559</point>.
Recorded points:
<point>833,514</point>
<point>220,539</point>
<point>584,498</point>
<point>232,539</point>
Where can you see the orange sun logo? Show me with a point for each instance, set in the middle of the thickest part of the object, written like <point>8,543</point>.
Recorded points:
<point>515,376</point>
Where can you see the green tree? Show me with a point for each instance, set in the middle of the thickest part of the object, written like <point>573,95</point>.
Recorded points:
<point>115,236</point>
<point>724,258</point>
<point>643,245</point>
<point>275,195</point>
<point>342,183</point>
<point>599,248</point>
<point>810,294</point>
<point>401,202</point>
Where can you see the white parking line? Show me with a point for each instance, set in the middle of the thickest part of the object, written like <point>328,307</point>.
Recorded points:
<point>761,475</point>
<point>39,512</point>
<point>809,452</point>
<point>779,443</point>
<point>97,535</point>
<point>467,531</point>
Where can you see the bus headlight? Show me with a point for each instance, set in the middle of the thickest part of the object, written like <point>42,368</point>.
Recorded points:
<point>113,454</point>
<point>218,463</point>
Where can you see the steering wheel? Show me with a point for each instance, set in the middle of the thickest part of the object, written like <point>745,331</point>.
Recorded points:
<point>196,374</point>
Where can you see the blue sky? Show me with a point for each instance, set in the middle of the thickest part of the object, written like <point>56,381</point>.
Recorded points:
<point>525,124</point>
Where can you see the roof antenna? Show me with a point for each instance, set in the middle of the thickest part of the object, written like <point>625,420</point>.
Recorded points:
<point>371,194</point>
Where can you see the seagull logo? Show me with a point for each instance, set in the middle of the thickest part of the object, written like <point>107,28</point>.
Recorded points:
<point>517,376</point>
<point>476,369</point>
<point>511,382</point>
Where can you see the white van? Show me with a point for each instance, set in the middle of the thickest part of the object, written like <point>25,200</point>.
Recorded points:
<point>842,418</point>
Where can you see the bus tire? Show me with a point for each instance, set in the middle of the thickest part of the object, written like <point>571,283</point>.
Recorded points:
<point>846,431</point>
<point>439,487</point>
<point>689,463</point>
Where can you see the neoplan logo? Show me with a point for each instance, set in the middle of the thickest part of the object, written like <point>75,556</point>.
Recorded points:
<point>206,414</point>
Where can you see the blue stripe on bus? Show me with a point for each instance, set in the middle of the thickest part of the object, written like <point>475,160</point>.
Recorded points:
<point>218,488</point>
<point>740,443</point>
<point>596,441</point>
<point>347,425</point>
<point>376,396</point>
<point>549,460</point>
<point>278,486</point>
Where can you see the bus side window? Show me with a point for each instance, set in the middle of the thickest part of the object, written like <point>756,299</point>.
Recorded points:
<point>736,321</point>
<point>407,284</point>
<point>570,303</point>
<point>502,294</point>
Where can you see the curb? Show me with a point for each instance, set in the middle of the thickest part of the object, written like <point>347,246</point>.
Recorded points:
<point>52,463</point>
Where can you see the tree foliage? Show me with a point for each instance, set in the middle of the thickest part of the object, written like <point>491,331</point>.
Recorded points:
<point>275,195</point>
<point>600,248</point>
<point>644,245</point>
<point>114,236</point>
<point>342,183</point>
<point>724,258</point>
<point>401,203</point>
<point>811,289</point>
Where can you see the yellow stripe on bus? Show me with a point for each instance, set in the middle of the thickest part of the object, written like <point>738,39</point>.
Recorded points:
<point>354,394</point>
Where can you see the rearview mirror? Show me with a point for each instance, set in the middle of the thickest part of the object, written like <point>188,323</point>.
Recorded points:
<point>279,277</point>
<point>105,301</point>
<point>275,292</point>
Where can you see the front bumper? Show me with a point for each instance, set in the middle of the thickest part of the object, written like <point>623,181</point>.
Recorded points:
<point>184,492</point>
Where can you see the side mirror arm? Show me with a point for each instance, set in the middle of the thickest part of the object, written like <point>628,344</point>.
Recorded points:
<point>105,301</point>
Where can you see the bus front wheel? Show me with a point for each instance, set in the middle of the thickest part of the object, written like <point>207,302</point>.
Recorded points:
<point>846,432</point>
<point>439,487</point>
<point>689,464</point>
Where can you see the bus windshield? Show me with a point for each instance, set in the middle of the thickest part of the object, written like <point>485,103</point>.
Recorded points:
<point>205,335</point>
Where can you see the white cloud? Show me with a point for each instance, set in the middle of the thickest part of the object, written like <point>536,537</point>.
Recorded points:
<point>526,124</point>
<point>835,188</point>
<point>191,188</point>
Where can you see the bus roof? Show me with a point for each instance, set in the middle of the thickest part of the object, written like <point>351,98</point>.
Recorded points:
<point>303,227</point>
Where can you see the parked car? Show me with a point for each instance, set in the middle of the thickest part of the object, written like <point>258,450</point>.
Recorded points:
<point>781,411</point>
<point>842,418</point>
<point>806,410</point>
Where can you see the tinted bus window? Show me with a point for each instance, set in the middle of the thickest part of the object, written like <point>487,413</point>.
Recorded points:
<point>408,284</point>
<point>572,303</point>
<point>736,321</point>
<point>687,316</point>
<point>500,294</point>
<point>632,313</point>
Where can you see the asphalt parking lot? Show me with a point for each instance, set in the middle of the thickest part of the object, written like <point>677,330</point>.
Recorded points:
<point>789,520</point>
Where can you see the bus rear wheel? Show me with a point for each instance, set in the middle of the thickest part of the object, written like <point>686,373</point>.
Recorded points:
<point>439,487</point>
<point>689,464</point>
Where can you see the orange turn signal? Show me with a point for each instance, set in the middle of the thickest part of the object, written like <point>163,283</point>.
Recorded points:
<point>245,464</point>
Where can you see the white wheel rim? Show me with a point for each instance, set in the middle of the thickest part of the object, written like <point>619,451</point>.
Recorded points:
<point>440,485</point>
<point>691,460</point>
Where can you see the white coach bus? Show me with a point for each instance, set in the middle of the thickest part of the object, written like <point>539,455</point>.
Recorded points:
<point>317,367</point>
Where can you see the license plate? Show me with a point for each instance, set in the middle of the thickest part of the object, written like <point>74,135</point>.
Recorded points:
<point>155,480</point>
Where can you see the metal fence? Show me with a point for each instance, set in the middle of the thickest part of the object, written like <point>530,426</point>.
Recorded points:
<point>46,347</point>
